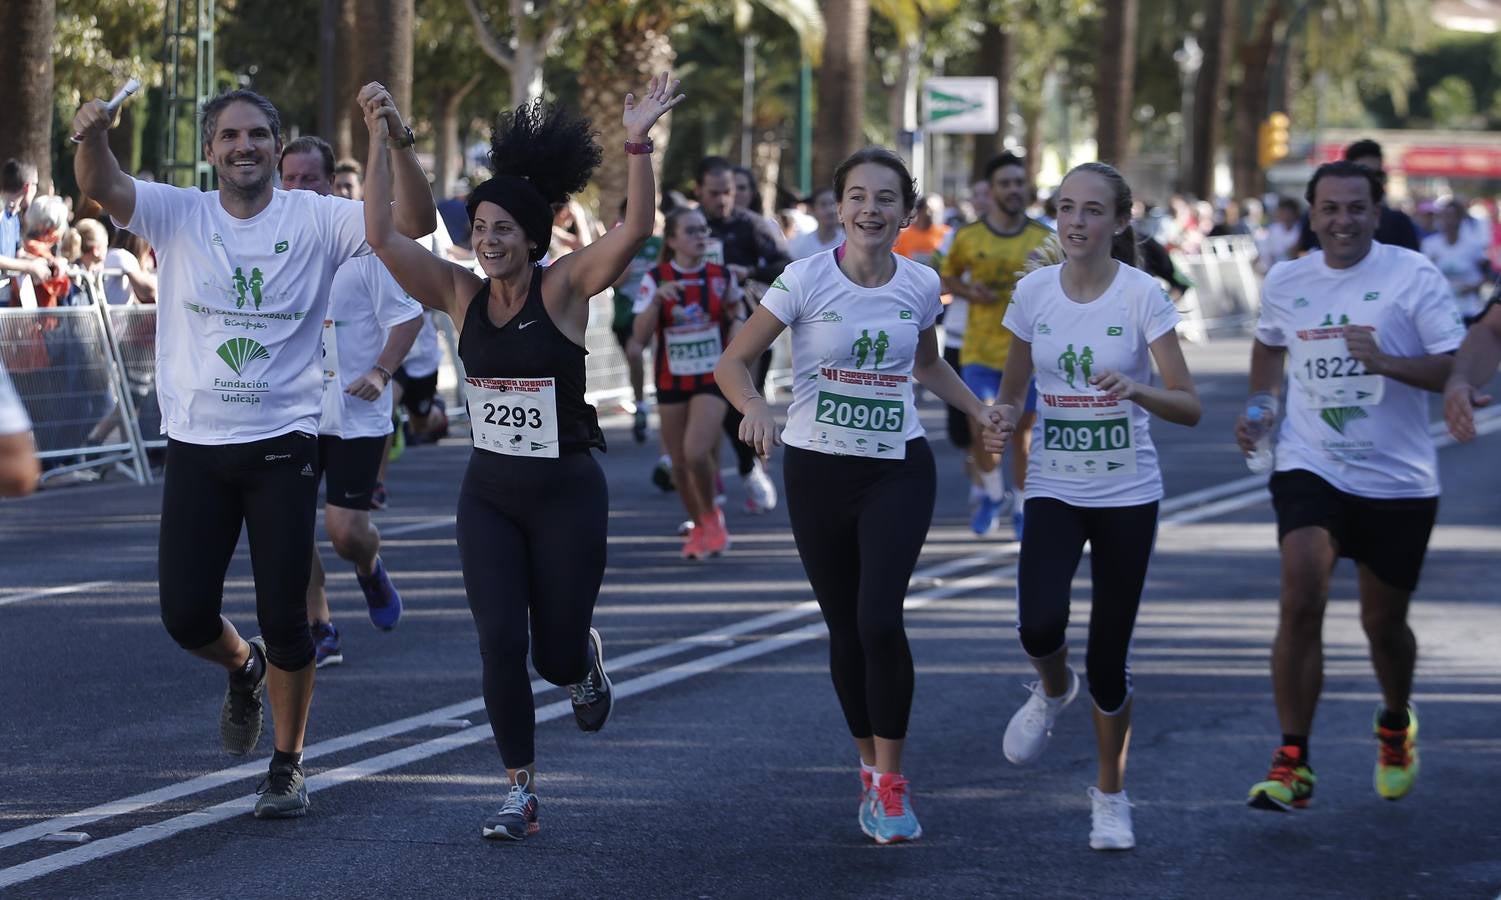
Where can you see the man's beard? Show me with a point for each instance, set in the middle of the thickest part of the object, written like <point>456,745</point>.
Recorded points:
<point>254,189</point>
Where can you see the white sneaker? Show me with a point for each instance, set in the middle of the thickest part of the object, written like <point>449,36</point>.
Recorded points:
<point>1110,821</point>
<point>760,493</point>
<point>1028,732</point>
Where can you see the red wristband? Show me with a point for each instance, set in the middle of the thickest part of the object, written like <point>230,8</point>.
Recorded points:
<point>639,149</point>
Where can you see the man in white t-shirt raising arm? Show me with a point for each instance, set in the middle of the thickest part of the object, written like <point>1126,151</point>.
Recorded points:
<point>1365,331</point>
<point>19,469</point>
<point>242,295</point>
<point>370,326</point>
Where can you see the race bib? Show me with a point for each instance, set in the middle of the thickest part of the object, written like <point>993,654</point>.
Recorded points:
<point>1085,436</point>
<point>861,413</point>
<point>1328,376</point>
<point>514,416</point>
<point>714,251</point>
<point>331,412</point>
<point>692,349</point>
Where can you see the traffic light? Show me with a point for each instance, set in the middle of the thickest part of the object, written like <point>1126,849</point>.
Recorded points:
<point>1273,141</point>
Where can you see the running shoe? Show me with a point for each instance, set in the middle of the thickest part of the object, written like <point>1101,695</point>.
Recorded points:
<point>241,716</point>
<point>1397,756</point>
<point>327,651</point>
<point>894,820</point>
<point>398,440</point>
<point>986,514</point>
<point>686,527</point>
<point>693,547</point>
<point>976,494</point>
<point>593,697</point>
<point>283,793</point>
<point>381,599</point>
<point>867,804</point>
<point>716,536</point>
<point>517,817</point>
<point>661,475</point>
<point>1110,821</point>
<point>760,493</point>
<point>437,421</point>
<point>378,498</point>
<point>1028,732</point>
<point>1288,786</point>
<point>638,424</point>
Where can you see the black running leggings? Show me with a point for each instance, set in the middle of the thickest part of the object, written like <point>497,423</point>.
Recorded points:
<point>745,457</point>
<point>860,525</point>
<point>272,487</point>
<point>1120,540</point>
<point>532,546</point>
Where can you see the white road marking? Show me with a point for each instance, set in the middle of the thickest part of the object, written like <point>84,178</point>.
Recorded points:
<point>53,592</point>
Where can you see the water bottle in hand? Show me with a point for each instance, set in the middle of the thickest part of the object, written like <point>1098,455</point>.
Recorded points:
<point>1261,458</point>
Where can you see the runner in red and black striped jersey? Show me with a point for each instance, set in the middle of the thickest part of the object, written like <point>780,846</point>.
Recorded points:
<point>691,305</point>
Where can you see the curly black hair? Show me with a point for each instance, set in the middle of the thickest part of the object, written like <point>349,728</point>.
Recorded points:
<point>547,145</point>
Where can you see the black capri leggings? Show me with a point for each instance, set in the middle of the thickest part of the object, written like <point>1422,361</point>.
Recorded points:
<point>859,526</point>
<point>272,487</point>
<point>532,546</point>
<point>1120,540</point>
<point>745,457</point>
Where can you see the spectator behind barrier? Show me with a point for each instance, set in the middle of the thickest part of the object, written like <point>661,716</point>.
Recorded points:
<point>133,259</point>
<point>43,224</point>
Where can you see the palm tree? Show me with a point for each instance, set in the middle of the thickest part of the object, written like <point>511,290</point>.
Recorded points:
<point>26,70</point>
<point>839,129</point>
<point>1116,82</point>
<point>384,42</point>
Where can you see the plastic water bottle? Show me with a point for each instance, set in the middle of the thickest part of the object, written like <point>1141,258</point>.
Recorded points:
<point>1260,414</point>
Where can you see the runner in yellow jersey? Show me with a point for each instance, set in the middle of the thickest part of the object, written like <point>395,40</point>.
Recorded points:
<point>982,267</point>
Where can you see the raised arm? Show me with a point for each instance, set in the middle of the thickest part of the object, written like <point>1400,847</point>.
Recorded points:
<point>98,172</point>
<point>591,269</point>
<point>415,213</point>
<point>435,283</point>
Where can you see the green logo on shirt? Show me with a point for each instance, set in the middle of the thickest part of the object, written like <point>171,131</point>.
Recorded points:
<point>1115,331</point>
<point>1330,323</point>
<point>1300,303</point>
<point>777,284</point>
<point>1069,361</point>
<point>281,246</point>
<point>1042,328</point>
<point>239,352</point>
<point>906,314</point>
<point>216,239</point>
<point>863,345</point>
<point>254,285</point>
<point>832,316</point>
<point>1373,295</point>
<point>1338,417</point>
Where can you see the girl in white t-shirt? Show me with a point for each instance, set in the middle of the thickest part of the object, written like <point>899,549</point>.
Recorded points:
<point>1092,326</point>
<point>859,474</point>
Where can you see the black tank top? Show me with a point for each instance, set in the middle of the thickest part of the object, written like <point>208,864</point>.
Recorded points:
<point>525,350</point>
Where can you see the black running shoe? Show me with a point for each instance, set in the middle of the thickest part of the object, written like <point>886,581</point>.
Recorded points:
<point>283,793</point>
<point>241,715</point>
<point>593,697</point>
<point>517,818</point>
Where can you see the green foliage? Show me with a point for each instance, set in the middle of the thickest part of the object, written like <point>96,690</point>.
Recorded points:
<point>1451,103</point>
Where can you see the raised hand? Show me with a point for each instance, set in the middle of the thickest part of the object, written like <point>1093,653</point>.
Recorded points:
<point>377,104</point>
<point>93,117</point>
<point>661,95</point>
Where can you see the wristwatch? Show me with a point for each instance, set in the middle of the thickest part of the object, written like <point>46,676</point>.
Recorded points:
<point>402,141</point>
<point>385,373</point>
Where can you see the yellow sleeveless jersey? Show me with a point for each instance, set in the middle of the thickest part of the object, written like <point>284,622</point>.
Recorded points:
<point>994,260</point>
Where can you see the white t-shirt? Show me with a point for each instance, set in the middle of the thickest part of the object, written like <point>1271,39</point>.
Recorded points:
<point>958,309</point>
<point>364,304</point>
<point>240,309</point>
<point>839,325</point>
<point>117,289</point>
<point>1378,447</point>
<point>13,418</point>
<point>805,245</point>
<point>1460,263</point>
<point>1087,450</point>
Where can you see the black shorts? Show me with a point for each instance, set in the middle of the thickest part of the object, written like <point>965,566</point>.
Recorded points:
<point>416,393</point>
<point>351,466</point>
<point>623,335</point>
<point>1389,537</point>
<point>711,390</point>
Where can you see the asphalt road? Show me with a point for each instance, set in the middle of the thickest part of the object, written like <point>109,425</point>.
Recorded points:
<point>726,771</point>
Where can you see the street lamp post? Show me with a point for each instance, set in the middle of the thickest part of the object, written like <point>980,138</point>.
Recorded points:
<point>1189,57</point>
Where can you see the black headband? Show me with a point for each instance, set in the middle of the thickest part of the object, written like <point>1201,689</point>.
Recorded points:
<point>524,202</point>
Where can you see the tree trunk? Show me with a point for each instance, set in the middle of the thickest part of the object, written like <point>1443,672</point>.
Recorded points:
<point>526,67</point>
<point>841,86</point>
<point>902,101</point>
<point>347,121</point>
<point>996,57</point>
<point>26,71</point>
<point>1032,120</point>
<point>384,42</point>
<point>1115,88</point>
<point>613,67</point>
<point>1250,105</point>
<point>447,154</point>
<point>1209,94</point>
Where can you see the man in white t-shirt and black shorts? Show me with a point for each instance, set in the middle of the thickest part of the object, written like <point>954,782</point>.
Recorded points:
<point>369,327</point>
<point>242,295</point>
<point>1364,331</point>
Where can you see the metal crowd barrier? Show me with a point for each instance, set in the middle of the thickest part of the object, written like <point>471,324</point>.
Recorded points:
<point>1226,292</point>
<point>64,362</point>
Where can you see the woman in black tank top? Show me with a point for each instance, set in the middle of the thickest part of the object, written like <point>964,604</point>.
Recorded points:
<point>534,506</point>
